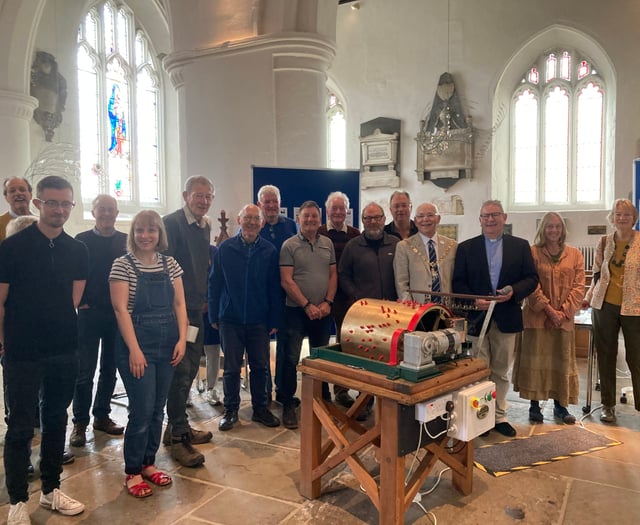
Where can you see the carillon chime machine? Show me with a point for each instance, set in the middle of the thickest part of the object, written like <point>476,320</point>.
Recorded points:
<point>400,339</point>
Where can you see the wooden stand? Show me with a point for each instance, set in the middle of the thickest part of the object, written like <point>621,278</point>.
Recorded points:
<point>391,497</point>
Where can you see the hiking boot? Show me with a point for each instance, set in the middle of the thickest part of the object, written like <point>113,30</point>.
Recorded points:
<point>289,417</point>
<point>108,425</point>
<point>199,437</point>
<point>58,500</point>
<point>265,416</point>
<point>184,453</point>
<point>78,436</point>
<point>229,419</point>
<point>18,514</point>
<point>608,414</point>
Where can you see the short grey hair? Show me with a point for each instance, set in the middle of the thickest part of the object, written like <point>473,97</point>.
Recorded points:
<point>198,179</point>
<point>492,202</point>
<point>397,193</point>
<point>95,201</point>
<point>269,188</point>
<point>20,223</point>
<point>337,195</point>
<point>372,204</point>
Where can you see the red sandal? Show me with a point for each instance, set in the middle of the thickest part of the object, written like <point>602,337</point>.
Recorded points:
<point>139,490</point>
<point>162,479</point>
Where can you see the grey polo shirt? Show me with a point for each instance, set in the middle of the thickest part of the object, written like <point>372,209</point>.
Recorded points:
<point>311,264</point>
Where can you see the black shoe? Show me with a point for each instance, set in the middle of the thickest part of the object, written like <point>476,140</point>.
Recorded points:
<point>535,415</point>
<point>505,429</point>
<point>295,401</point>
<point>562,413</point>
<point>343,398</point>
<point>289,417</point>
<point>229,419</point>
<point>30,469</point>
<point>68,457</point>
<point>265,416</point>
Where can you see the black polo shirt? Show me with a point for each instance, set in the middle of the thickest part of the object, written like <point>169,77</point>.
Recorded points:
<point>40,318</point>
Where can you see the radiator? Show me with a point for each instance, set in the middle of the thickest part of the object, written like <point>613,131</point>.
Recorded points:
<point>588,252</point>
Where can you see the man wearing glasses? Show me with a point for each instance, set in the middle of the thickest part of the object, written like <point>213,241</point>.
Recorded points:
<point>424,261</point>
<point>188,235</point>
<point>43,272</point>
<point>245,302</point>
<point>501,265</point>
<point>366,265</point>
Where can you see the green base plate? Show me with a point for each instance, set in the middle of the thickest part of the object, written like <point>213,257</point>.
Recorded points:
<point>335,354</point>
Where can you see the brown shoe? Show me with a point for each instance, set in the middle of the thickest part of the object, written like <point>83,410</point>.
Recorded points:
<point>199,437</point>
<point>78,435</point>
<point>184,453</point>
<point>108,425</point>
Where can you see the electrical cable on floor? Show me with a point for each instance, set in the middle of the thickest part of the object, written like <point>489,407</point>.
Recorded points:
<point>418,499</point>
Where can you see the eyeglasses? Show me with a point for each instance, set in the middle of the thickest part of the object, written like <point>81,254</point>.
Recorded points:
<point>426,216</point>
<point>493,215</point>
<point>52,205</point>
<point>369,218</point>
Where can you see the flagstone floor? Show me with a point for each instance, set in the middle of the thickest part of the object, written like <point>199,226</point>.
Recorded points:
<point>251,476</point>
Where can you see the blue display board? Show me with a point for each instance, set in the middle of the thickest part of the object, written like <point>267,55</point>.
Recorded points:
<point>299,185</point>
<point>636,187</point>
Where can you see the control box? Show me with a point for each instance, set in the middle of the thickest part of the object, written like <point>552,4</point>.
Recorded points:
<point>433,408</point>
<point>474,411</point>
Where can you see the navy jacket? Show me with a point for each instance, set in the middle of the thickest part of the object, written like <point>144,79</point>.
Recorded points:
<point>244,283</point>
<point>471,276</point>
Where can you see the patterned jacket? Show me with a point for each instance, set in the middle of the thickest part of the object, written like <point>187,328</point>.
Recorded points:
<point>631,285</point>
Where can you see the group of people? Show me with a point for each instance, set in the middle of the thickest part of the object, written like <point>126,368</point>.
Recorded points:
<point>146,299</point>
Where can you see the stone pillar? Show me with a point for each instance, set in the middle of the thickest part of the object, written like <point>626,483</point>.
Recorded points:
<point>300,97</point>
<point>16,111</point>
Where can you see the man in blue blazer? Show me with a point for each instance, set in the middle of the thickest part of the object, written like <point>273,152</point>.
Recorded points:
<point>500,265</point>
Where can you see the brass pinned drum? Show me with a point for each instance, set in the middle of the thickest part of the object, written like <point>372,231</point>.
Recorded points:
<point>373,328</point>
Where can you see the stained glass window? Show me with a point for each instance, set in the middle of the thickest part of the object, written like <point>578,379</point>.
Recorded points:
<point>557,137</point>
<point>337,132</point>
<point>119,97</point>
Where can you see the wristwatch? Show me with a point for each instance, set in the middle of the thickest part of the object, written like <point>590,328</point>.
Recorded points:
<point>330,303</point>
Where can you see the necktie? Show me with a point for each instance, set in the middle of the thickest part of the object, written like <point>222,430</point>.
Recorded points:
<point>435,274</point>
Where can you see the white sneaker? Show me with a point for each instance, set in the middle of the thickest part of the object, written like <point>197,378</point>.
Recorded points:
<point>58,500</point>
<point>213,399</point>
<point>18,514</point>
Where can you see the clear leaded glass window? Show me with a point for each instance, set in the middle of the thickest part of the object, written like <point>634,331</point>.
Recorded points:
<point>557,133</point>
<point>118,91</point>
<point>337,132</point>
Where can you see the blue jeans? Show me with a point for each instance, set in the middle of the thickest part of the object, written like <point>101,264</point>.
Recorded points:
<point>147,395</point>
<point>185,373</point>
<point>49,380</point>
<point>236,338</point>
<point>297,327</point>
<point>95,325</point>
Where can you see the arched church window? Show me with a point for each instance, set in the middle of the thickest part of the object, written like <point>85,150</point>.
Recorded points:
<point>337,132</point>
<point>119,102</point>
<point>557,133</point>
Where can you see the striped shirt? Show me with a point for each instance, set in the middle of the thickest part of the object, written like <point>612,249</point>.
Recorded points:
<point>123,271</point>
